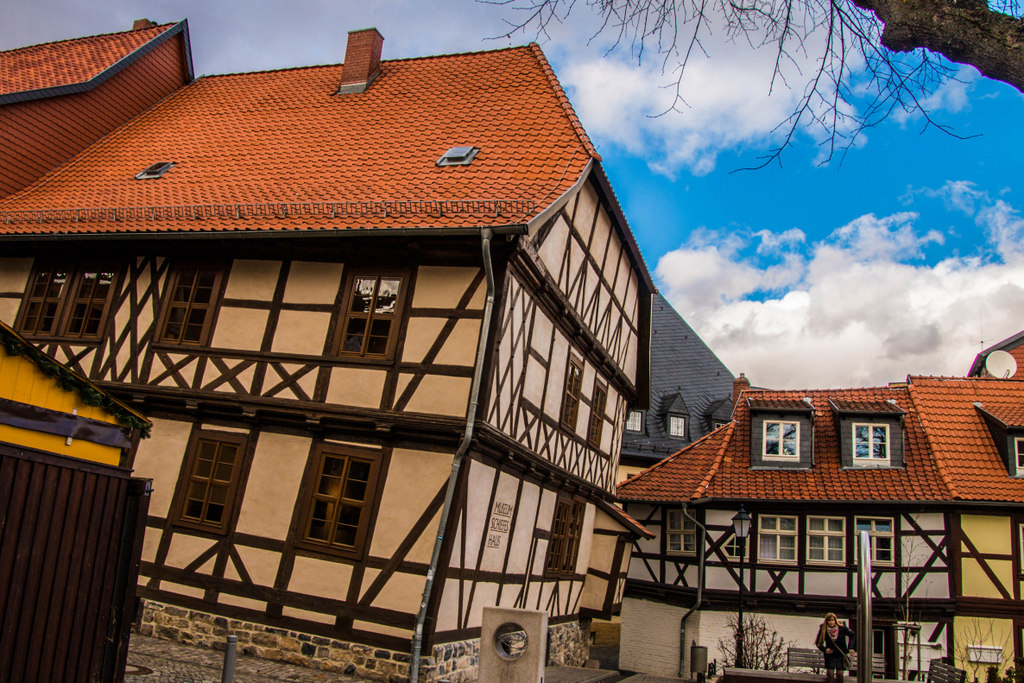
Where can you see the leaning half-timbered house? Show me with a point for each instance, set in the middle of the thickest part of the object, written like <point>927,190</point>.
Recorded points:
<point>812,469</point>
<point>387,318</point>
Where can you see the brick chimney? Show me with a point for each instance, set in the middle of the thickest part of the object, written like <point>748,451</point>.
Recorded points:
<point>362,60</point>
<point>739,385</point>
<point>143,24</point>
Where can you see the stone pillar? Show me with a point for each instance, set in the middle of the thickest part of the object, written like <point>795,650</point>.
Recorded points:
<point>513,645</point>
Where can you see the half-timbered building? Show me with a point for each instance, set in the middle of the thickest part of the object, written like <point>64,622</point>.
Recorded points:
<point>812,468</point>
<point>930,468</point>
<point>387,318</point>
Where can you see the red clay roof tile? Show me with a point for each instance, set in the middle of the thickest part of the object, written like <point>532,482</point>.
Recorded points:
<point>68,62</point>
<point>279,150</point>
<point>719,466</point>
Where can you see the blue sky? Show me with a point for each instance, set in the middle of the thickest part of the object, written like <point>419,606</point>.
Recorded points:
<point>902,260</point>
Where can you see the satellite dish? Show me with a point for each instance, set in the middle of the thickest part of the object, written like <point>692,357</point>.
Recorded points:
<point>1000,364</point>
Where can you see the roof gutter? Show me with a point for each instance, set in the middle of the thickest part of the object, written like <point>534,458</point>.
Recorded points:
<point>207,235</point>
<point>486,234</point>
<point>700,590</point>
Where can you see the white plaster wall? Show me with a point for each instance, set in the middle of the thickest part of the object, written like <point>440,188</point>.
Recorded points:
<point>649,640</point>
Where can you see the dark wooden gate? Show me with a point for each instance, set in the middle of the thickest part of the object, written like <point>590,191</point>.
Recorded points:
<point>70,542</point>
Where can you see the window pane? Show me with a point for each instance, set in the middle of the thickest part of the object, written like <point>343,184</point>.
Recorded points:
<point>362,295</point>
<point>387,296</point>
<point>815,524</point>
<point>836,525</point>
<point>787,524</point>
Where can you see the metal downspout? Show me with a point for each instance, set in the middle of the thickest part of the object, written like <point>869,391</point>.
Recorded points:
<point>474,397</point>
<point>700,592</point>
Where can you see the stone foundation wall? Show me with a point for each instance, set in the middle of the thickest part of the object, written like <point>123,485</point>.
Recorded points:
<point>569,643</point>
<point>456,662</point>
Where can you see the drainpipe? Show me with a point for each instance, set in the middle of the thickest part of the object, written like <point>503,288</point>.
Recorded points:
<point>474,398</point>
<point>700,591</point>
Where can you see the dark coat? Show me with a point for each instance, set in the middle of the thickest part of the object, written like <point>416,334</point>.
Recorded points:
<point>842,644</point>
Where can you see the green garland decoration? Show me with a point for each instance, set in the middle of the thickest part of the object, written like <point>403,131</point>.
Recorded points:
<point>70,382</point>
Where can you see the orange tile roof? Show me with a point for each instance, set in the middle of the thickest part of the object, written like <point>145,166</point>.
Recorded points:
<point>959,438</point>
<point>68,62</point>
<point>719,466</point>
<point>279,150</point>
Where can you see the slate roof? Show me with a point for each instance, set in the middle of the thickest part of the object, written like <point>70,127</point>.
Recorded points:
<point>719,466</point>
<point>69,62</point>
<point>280,150</point>
<point>683,368</point>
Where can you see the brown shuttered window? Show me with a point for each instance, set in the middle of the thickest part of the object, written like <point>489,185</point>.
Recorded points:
<point>191,304</point>
<point>340,500</point>
<point>373,305</point>
<point>597,408</point>
<point>210,478</point>
<point>571,400</point>
<point>566,530</point>
<point>66,301</point>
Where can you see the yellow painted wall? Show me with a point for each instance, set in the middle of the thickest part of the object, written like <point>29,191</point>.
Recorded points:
<point>21,380</point>
<point>981,631</point>
<point>988,534</point>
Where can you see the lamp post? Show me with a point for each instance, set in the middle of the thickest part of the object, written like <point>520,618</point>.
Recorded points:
<point>741,527</point>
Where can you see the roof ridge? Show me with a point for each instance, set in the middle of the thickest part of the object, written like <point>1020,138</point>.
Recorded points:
<point>670,458</point>
<point>716,464</point>
<point>564,100</point>
<point>939,461</point>
<point>81,38</point>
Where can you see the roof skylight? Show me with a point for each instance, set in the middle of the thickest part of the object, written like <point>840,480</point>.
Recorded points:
<point>157,170</point>
<point>458,156</point>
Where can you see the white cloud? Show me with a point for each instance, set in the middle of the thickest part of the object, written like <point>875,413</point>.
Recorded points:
<point>858,307</point>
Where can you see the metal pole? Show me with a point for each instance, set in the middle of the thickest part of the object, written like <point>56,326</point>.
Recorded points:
<point>865,659</point>
<point>739,622</point>
<point>230,652</point>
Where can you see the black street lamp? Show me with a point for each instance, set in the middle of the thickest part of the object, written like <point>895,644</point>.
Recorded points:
<point>741,527</point>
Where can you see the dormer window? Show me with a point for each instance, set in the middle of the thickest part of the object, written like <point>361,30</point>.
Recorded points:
<point>458,156</point>
<point>677,426</point>
<point>781,433</point>
<point>635,421</point>
<point>157,170</point>
<point>781,440</point>
<point>870,444</point>
<point>870,433</point>
<point>1019,448</point>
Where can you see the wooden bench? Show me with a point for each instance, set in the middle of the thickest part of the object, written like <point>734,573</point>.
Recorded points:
<point>941,672</point>
<point>805,657</point>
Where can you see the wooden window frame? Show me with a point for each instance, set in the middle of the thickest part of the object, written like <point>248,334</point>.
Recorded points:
<point>672,419</point>
<point>311,494</point>
<point>67,299</point>
<point>874,535</point>
<point>212,307</point>
<point>870,460</point>
<point>1018,450</point>
<point>778,534</point>
<point>397,318</point>
<point>678,525</point>
<point>640,421</point>
<point>188,474</point>
<point>828,536</point>
<point>565,537</point>
<point>598,405</point>
<point>780,455</point>
<point>573,393</point>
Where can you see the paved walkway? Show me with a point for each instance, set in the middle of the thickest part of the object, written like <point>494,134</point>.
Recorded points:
<point>152,660</point>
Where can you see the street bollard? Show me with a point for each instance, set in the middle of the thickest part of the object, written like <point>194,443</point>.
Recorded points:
<point>230,652</point>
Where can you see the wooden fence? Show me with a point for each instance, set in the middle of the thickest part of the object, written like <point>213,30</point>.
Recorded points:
<point>70,542</point>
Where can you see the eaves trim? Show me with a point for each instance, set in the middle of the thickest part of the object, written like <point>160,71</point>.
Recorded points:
<point>110,71</point>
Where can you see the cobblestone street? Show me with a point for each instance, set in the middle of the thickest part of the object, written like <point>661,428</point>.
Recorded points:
<point>151,660</point>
